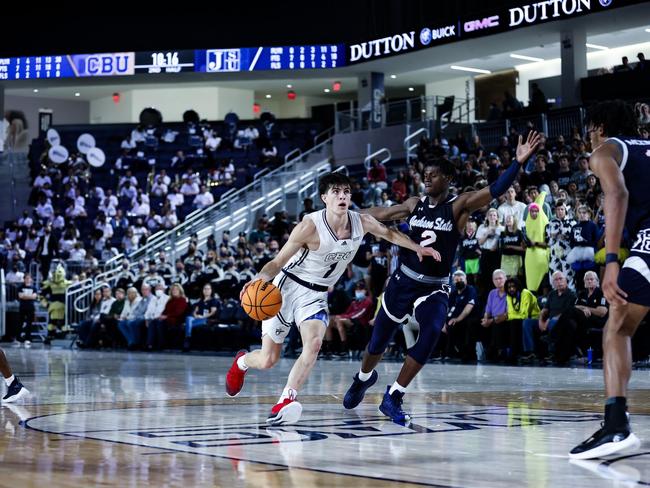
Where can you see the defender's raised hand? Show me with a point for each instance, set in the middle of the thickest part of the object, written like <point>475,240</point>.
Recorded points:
<point>524,151</point>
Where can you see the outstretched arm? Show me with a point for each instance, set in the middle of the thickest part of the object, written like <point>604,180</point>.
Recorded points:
<point>474,200</point>
<point>370,224</point>
<point>395,212</point>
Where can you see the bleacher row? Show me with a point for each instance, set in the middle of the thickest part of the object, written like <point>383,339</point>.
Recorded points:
<point>155,154</point>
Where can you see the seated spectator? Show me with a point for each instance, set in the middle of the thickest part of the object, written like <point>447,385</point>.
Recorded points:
<point>642,64</point>
<point>203,199</point>
<point>522,307</point>
<point>189,189</point>
<point>89,330</point>
<point>159,188</point>
<point>132,319</point>
<point>460,326</point>
<point>590,312</point>
<point>492,334</point>
<point>85,326</point>
<point>269,156</point>
<point>355,319</point>
<point>108,331</point>
<point>559,301</point>
<point>398,188</point>
<point>206,308</point>
<point>171,319</point>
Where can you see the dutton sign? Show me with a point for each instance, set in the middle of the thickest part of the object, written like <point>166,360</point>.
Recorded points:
<point>531,14</point>
<point>381,47</point>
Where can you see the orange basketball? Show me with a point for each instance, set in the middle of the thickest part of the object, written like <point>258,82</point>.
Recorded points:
<point>262,300</point>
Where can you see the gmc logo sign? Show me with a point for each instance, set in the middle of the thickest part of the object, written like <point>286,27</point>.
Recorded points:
<point>486,23</point>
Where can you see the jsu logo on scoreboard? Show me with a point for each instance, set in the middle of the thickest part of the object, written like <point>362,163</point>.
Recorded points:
<point>110,64</point>
<point>223,60</point>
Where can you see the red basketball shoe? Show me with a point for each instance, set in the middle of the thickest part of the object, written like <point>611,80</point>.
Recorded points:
<point>235,377</point>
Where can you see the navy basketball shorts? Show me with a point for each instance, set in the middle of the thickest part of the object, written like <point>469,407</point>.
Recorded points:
<point>634,278</point>
<point>404,297</point>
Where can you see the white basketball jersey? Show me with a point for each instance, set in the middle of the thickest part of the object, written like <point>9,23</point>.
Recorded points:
<point>326,265</point>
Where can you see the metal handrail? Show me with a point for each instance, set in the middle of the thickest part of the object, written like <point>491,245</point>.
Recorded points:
<point>366,161</point>
<point>408,148</point>
<point>328,132</point>
<point>155,242</point>
<point>287,157</point>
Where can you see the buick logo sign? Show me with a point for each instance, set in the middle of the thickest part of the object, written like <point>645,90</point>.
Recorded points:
<point>425,36</point>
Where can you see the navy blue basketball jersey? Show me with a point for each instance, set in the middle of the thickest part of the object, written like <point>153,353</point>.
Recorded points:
<point>432,226</point>
<point>635,166</point>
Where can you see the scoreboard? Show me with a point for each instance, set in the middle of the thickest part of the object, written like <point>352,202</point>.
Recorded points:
<point>270,58</point>
<point>200,60</point>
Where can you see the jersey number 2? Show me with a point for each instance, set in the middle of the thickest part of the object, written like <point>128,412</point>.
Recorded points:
<point>430,238</point>
<point>330,271</point>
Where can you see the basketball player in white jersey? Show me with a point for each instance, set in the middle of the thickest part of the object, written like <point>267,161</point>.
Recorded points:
<point>317,253</point>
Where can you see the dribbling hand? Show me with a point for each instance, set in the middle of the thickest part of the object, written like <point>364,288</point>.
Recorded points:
<point>427,251</point>
<point>243,290</point>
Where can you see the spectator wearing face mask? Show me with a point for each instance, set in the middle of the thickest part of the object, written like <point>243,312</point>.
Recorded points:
<point>355,320</point>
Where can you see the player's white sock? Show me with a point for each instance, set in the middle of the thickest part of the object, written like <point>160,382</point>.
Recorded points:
<point>9,380</point>
<point>288,393</point>
<point>397,387</point>
<point>364,376</point>
<point>241,363</point>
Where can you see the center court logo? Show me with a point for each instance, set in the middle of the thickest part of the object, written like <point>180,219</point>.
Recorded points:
<point>605,3</point>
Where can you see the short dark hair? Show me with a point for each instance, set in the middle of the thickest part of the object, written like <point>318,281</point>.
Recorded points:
<point>333,179</point>
<point>616,117</point>
<point>445,166</point>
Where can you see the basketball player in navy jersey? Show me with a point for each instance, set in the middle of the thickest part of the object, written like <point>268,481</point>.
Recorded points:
<point>316,255</point>
<point>422,289</point>
<point>621,161</point>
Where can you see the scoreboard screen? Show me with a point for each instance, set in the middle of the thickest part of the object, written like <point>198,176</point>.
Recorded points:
<point>164,61</point>
<point>270,58</point>
<point>154,62</point>
<point>70,66</point>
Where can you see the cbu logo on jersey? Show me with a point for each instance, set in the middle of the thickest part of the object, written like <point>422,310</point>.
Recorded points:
<point>438,224</point>
<point>337,256</point>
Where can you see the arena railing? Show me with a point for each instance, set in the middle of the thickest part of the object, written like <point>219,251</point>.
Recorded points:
<point>553,124</point>
<point>78,300</point>
<point>418,109</point>
<point>408,147</point>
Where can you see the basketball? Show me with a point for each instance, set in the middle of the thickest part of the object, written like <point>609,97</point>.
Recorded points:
<point>262,300</point>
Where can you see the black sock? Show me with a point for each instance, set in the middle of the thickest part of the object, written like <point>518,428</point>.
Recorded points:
<point>615,413</point>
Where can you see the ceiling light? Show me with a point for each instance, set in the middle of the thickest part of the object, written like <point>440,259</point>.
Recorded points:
<point>326,90</point>
<point>596,46</point>
<point>526,58</point>
<point>289,85</point>
<point>35,90</point>
<point>647,30</point>
<point>411,88</point>
<point>393,76</point>
<point>268,95</point>
<point>472,70</point>
<point>77,94</point>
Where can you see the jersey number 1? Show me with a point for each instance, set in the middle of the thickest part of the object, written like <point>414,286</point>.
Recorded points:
<point>330,271</point>
<point>430,238</point>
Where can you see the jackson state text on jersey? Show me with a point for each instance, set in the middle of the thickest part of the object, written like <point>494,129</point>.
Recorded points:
<point>432,226</point>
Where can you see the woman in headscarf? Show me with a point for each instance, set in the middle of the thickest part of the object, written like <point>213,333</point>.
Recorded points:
<point>536,260</point>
